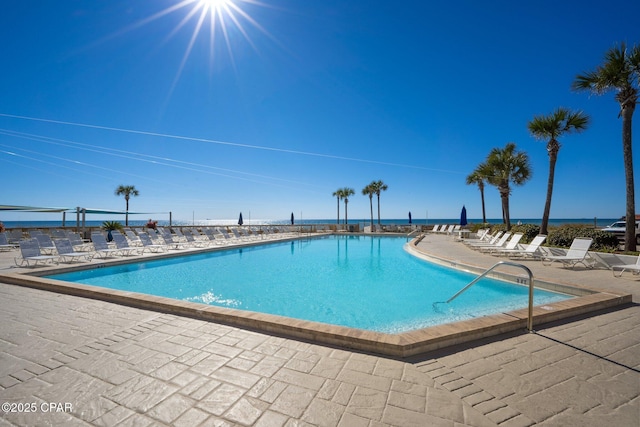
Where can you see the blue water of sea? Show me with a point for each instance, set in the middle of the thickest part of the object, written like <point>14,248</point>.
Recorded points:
<point>357,281</point>
<point>71,222</point>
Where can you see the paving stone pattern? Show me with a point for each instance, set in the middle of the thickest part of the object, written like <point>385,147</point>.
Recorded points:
<point>121,366</point>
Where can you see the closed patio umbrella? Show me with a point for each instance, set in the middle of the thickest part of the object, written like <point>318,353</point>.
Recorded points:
<point>292,218</point>
<point>409,217</point>
<point>463,216</point>
<point>240,221</point>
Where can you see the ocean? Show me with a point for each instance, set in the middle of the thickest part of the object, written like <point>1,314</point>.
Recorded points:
<point>598,222</point>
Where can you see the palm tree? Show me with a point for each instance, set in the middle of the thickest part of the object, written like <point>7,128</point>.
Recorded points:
<point>377,187</point>
<point>550,128</point>
<point>127,191</point>
<point>503,167</point>
<point>338,195</point>
<point>476,177</point>
<point>346,192</point>
<point>369,191</point>
<point>620,72</point>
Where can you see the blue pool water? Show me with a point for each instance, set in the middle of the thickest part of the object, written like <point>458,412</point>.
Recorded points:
<point>362,282</point>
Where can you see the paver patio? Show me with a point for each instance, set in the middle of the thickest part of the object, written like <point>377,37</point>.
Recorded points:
<point>116,365</point>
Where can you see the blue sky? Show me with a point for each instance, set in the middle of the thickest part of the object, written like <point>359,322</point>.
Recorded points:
<point>295,99</point>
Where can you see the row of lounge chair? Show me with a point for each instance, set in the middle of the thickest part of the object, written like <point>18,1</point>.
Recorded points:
<point>42,249</point>
<point>507,244</point>
<point>445,229</point>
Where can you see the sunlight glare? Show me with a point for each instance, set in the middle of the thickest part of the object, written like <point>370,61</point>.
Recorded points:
<point>221,16</point>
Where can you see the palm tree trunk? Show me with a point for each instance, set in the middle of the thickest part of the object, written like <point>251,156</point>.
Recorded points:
<point>126,214</point>
<point>484,215</point>
<point>553,157</point>
<point>630,233</point>
<point>378,209</point>
<point>371,209</point>
<point>338,220</point>
<point>346,217</point>
<point>504,195</point>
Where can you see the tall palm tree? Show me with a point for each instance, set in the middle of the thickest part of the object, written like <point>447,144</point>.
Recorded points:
<point>369,191</point>
<point>127,191</point>
<point>346,193</point>
<point>338,194</point>
<point>620,73</point>
<point>550,128</point>
<point>378,186</point>
<point>503,167</point>
<point>476,177</point>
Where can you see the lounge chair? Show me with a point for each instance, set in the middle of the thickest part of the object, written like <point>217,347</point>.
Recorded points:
<point>172,244</point>
<point>67,254</point>
<point>4,243</point>
<point>239,235</point>
<point>434,229</point>
<point>77,242</point>
<point>57,233</point>
<point>635,268</point>
<point>30,252</point>
<point>496,242</point>
<point>446,229</point>
<point>46,244</point>
<point>531,251</point>
<point>147,244</point>
<point>101,246</point>
<point>134,239</point>
<point>192,241</point>
<point>482,234</point>
<point>492,239</point>
<point>511,244</point>
<point>123,245</point>
<point>226,236</point>
<point>209,232</point>
<point>576,254</point>
<point>14,236</point>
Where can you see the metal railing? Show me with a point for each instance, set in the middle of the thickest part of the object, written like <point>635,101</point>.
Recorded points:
<point>513,264</point>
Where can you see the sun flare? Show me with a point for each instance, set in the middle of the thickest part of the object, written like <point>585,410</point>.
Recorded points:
<point>224,19</point>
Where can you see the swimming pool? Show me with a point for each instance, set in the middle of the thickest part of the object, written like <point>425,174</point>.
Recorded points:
<point>363,282</point>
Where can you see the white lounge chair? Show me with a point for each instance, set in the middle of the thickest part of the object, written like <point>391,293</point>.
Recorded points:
<point>192,240</point>
<point>482,234</point>
<point>511,244</point>
<point>30,253</point>
<point>447,230</point>
<point>635,268</point>
<point>500,243</point>
<point>493,239</point>
<point>123,245</point>
<point>172,244</point>
<point>532,250</point>
<point>576,254</point>
<point>226,237</point>
<point>239,236</point>
<point>4,243</point>
<point>434,229</point>
<point>77,242</point>
<point>101,246</point>
<point>147,244</point>
<point>134,239</point>
<point>45,243</point>
<point>67,254</point>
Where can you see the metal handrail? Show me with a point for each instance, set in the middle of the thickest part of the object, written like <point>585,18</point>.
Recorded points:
<point>513,264</point>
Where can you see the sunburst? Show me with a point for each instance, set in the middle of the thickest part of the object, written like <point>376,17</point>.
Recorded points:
<point>221,16</point>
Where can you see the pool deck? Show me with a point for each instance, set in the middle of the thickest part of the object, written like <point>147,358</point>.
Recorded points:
<point>118,365</point>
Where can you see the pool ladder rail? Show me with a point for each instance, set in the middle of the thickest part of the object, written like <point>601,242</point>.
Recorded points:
<point>477,279</point>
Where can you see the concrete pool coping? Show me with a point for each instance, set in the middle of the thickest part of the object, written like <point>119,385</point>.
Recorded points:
<point>394,345</point>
